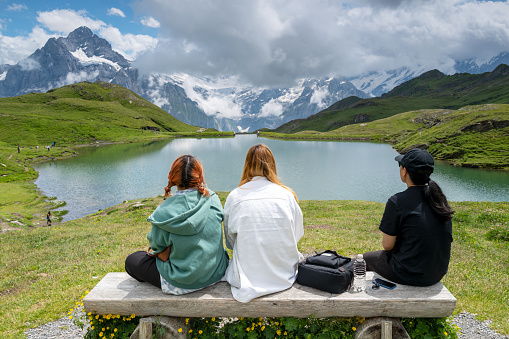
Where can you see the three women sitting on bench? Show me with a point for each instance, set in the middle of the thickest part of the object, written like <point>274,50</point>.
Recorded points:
<point>263,224</point>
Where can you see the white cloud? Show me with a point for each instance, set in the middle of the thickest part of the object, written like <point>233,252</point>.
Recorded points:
<point>274,42</point>
<point>212,105</point>
<point>17,48</point>
<point>150,22</point>
<point>67,20</point>
<point>319,96</point>
<point>29,64</point>
<point>129,45</point>
<point>17,7</point>
<point>73,78</point>
<point>116,11</point>
<point>271,109</point>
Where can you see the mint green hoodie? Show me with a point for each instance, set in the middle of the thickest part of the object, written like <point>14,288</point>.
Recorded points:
<point>191,224</point>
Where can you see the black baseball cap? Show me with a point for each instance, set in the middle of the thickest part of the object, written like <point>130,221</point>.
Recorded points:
<point>417,160</point>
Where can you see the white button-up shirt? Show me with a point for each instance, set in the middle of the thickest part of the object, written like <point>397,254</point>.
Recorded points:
<point>263,223</point>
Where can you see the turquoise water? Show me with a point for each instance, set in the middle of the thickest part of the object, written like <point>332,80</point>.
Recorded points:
<point>105,176</point>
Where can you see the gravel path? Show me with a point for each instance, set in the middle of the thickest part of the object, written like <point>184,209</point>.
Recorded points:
<point>65,329</point>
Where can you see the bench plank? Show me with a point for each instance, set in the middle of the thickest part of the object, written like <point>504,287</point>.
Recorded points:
<point>118,293</point>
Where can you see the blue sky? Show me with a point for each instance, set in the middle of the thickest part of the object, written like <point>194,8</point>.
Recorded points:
<point>268,42</point>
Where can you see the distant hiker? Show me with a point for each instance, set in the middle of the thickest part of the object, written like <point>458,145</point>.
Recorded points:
<point>37,148</point>
<point>48,219</point>
<point>18,149</point>
<point>416,227</point>
<point>263,223</point>
<point>186,250</point>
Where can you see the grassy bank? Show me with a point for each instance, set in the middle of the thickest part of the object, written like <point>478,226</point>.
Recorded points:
<point>43,272</point>
<point>473,136</point>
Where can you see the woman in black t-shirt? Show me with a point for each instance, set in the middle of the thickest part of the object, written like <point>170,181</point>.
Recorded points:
<point>416,227</point>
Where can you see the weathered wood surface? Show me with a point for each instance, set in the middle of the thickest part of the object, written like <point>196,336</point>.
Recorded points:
<point>117,293</point>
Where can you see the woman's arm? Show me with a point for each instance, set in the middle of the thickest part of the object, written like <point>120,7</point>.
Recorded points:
<point>388,241</point>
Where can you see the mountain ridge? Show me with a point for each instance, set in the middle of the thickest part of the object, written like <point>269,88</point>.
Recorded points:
<point>432,89</point>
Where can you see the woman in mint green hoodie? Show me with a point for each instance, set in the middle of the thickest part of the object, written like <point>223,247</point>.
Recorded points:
<point>186,241</point>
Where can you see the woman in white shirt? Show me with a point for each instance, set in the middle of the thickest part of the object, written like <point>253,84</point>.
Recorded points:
<point>263,223</point>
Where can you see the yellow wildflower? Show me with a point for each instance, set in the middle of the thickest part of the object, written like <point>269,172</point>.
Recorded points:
<point>263,327</point>
<point>353,328</point>
<point>115,330</point>
<point>445,333</point>
<point>200,332</point>
<point>180,330</point>
<point>285,333</point>
<point>278,332</point>
<point>213,319</point>
<point>70,317</point>
<point>101,334</point>
<point>191,331</point>
<point>92,327</point>
<point>187,321</point>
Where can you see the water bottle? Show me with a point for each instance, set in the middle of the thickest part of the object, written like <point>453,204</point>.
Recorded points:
<point>359,274</point>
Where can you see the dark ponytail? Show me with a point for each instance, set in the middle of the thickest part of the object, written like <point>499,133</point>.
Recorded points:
<point>433,195</point>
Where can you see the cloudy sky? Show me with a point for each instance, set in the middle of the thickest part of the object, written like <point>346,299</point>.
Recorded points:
<point>268,42</point>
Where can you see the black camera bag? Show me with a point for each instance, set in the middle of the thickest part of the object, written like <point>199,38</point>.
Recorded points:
<point>326,271</point>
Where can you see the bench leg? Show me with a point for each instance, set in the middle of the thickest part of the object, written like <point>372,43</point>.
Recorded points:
<point>383,328</point>
<point>168,326</point>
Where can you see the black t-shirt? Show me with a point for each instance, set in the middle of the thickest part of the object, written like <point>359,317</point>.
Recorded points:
<point>423,241</point>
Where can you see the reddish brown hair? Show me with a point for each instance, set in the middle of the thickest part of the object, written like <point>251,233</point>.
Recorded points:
<point>260,162</point>
<point>186,172</point>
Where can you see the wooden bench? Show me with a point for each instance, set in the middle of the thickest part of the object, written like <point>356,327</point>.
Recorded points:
<point>118,293</point>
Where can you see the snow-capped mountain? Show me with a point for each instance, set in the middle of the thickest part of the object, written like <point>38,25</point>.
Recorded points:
<point>220,103</point>
<point>228,105</point>
<point>377,83</point>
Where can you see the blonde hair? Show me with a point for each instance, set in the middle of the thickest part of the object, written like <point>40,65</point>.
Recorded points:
<point>260,162</point>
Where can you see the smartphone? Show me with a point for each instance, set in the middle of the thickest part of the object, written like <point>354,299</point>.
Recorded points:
<point>385,283</point>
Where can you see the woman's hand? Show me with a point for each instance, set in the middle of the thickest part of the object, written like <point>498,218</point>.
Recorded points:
<point>165,254</point>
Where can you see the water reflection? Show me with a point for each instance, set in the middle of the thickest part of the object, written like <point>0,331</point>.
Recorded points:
<point>105,176</point>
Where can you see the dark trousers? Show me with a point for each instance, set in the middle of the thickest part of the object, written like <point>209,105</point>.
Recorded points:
<point>143,267</point>
<point>380,262</point>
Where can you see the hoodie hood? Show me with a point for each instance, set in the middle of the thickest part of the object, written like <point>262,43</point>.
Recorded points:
<point>187,216</point>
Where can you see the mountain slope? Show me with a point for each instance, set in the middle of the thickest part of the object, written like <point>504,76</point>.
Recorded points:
<point>432,89</point>
<point>472,136</point>
<point>81,113</point>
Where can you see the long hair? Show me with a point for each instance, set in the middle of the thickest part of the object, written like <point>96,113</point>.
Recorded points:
<point>260,162</point>
<point>433,195</point>
<point>186,172</point>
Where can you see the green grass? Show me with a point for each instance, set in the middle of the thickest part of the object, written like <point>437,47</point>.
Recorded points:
<point>448,134</point>
<point>83,113</point>
<point>45,271</point>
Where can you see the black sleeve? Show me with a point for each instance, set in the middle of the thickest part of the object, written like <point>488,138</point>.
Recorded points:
<point>391,218</point>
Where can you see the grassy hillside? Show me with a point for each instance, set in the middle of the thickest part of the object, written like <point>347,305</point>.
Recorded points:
<point>431,90</point>
<point>474,136</point>
<point>82,113</point>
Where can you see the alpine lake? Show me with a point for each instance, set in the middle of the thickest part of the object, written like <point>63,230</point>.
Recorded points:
<point>102,177</point>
